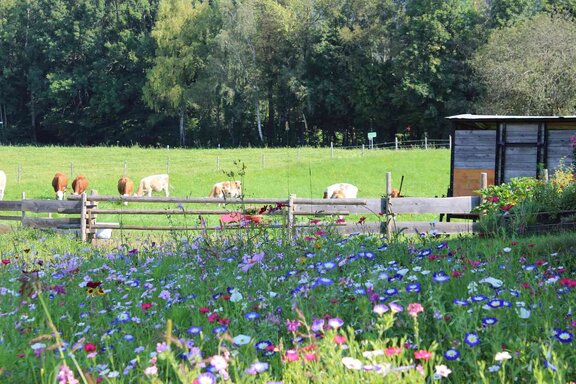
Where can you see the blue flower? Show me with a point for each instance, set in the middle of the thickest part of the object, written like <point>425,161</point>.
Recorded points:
<point>413,287</point>
<point>529,267</point>
<point>489,321</point>
<point>391,291</point>
<point>310,255</point>
<point>262,345</point>
<point>442,245</point>
<point>472,339</point>
<point>329,265</point>
<point>383,247</point>
<point>324,281</point>
<point>220,329</point>
<point>440,277</point>
<point>496,303</point>
<point>123,317</point>
<point>252,315</point>
<point>360,291</point>
<point>368,255</point>
<point>194,330</point>
<point>451,354</point>
<point>564,336</point>
<point>478,298</point>
<point>128,337</point>
<point>463,303</point>
<point>425,252</point>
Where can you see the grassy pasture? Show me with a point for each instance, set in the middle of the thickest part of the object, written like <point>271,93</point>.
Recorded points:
<point>304,172</point>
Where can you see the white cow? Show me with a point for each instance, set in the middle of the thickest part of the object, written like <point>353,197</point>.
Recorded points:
<point>156,183</point>
<point>226,189</point>
<point>341,191</point>
<point>2,184</point>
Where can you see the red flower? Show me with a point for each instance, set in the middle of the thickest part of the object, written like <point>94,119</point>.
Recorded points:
<point>525,285</point>
<point>390,351</point>
<point>89,347</point>
<point>204,309</point>
<point>224,321</point>
<point>213,317</point>
<point>514,243</point>
<point>493,199</point>
<point>507,207</point>
<point>338,221</point>
<point>314,221</point>
<point>531,245</point>
<point>568,282</point>
<point>146,306</point>
<point>226,297</point>
<point>456,273</point>
<point>5,261</point>
<point>540,262</point>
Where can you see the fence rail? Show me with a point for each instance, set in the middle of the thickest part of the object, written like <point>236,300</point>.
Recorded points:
<point>288,214</point>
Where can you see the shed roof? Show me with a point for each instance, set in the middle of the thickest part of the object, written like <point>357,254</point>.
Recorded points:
<point>471,117</point>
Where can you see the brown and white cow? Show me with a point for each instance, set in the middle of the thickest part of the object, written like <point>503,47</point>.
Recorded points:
<point>79,185</point>
<point>341,191</point>
<point>60,183</point>
<point>2,184</point>
<point>125,187</point>
<point>156,183</point>
<point>226,189</point>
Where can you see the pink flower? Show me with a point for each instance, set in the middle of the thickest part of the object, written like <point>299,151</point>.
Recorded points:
<point>292,355</point>
<point>151,371</point>
<point>414,309</point>
<point>391,351</point>
<point>422,354</point>
<point>339,339</point>
<point>310,356</point>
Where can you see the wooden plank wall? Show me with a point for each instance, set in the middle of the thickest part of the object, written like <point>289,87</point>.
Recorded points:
<point>474,149</point>
<point>559,149</point>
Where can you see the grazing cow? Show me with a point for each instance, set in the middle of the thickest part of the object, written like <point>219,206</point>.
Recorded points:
<point>60,183</point>
<point>2,184</point>
<point>125,187</point>
<point>156,183</point>
<point>79,185</point>
<point>341,191</point>
<point>226,189</point>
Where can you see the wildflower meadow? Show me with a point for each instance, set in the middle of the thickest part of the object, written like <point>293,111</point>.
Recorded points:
<point>255,306</point>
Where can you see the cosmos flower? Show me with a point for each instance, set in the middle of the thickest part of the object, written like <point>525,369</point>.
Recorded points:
<point>414,309</point>
<point>205,378</point>
<point>352,363</point>
<point>442,370</point>
<point>422,354</point>
<point>335,323</point>
<point>380,309</point>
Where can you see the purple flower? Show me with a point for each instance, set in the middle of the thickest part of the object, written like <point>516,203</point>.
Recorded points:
<point>194,330</point>
<point>252,315</point>
<point>413,287</point>
<point>205,378</point>
<point>292,325</point>
<point>317,325</point>
<point>335,323</point>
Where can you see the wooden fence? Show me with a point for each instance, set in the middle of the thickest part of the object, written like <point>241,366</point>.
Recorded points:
<point>290,214</point>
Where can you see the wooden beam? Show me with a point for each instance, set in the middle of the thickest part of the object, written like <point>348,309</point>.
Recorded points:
<point>52,206</point>
<point>462,204</point>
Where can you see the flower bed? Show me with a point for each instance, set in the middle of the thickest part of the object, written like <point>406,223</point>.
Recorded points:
<point>251,308</point>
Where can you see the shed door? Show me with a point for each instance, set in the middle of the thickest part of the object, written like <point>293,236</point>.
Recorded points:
<point>520,150</point>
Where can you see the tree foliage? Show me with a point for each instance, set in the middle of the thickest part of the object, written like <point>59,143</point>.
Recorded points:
<point>530,68</point>
<point>274,72</point>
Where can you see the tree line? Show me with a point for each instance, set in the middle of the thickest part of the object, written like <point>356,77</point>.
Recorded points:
<point>275,72</point>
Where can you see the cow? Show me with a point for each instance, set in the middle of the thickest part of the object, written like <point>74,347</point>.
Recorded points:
<point>125,187</point>
<point>60,183</point>
<point>156,183</point>
<point>395,193</point>
<point>341,191</point>
<point>226,189</point>
<point>2,184</point>
<point>79,185</point>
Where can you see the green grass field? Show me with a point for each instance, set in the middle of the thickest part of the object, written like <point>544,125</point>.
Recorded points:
<point>274,173</point>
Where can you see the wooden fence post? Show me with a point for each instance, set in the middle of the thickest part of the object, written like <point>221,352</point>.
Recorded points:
<point>290,223</point>
<point>396,143</point>
<point>546,176</point>
<point>23,195</point>
<point>331,149</point>
<point>83,217</point>
<point>388,211</point>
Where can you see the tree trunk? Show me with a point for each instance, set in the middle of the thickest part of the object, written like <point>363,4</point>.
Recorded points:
<point>256,101</point>
<point>182,132</point>
<point>33,117</point>
<point>270,124</point>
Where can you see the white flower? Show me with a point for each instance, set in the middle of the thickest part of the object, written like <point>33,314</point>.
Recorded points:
<point>495,283</point>
<point>272,294</point>
<point>472,287</point>
<point>241,339</point>
<point>352,363</point>
<point>501,356</point>
<point>371,354</point>
<point>38,346</point>
<point>443,370</point>
<point>507,249</point>
<point>523,313</point>
<point>219,362</point>
<point>402,271</point>
<point>235,296</point>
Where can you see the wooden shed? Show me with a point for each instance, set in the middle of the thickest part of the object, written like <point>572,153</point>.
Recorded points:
<point>506,147</point>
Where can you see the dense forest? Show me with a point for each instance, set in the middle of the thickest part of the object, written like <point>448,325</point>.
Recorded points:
<point>275,72</point>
